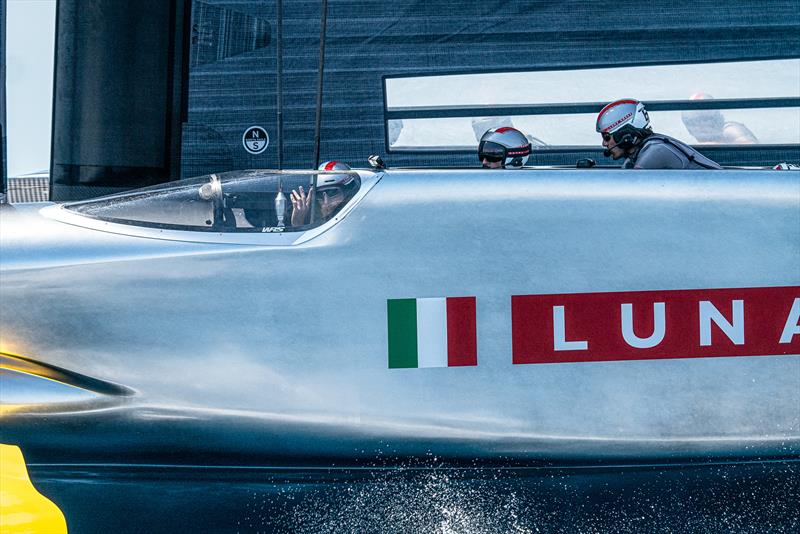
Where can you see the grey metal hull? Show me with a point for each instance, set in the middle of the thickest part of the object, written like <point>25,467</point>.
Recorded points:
<point>269,355</point>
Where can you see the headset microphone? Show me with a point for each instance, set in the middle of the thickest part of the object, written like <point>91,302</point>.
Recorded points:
<point>626,141</point>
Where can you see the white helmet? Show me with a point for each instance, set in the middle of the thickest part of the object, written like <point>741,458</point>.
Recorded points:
<point>505,144</point>
<point>625,120</point>
<point>340,180</point>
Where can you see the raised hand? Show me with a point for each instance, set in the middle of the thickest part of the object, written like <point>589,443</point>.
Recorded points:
<point>301,205</point>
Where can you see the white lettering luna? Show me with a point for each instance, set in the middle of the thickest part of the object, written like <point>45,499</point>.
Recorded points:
<point>659,327</point>
<point>734,330</point>
<point>560,335</point>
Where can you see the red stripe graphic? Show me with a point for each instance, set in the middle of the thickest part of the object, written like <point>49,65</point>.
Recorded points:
<point>646,325</point>
<point>462,339</point>
<point>614,104</point>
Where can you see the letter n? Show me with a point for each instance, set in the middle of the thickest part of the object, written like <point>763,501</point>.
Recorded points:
<point>734,329</point>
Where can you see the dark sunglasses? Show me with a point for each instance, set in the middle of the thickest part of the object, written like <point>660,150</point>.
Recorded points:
<point>331,193</point>
<point>491,151</point>
<point>606,136</point>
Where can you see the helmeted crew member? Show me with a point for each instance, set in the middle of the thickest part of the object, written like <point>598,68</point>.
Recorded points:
<point>503,147</point>
<point>332,191</point>
<point>625,127</point>
<point>709,126</point>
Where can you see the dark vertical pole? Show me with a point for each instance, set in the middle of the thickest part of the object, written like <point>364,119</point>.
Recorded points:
<point>178,83</point>
<point>119,95</point>
<point>279,88</point>
<point>323,26</point>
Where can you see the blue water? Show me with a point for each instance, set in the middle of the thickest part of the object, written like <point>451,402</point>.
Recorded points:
<point>733,497</point>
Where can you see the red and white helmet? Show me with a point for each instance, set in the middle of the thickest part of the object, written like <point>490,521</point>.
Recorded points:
<point>505,144</point>
<point>787,167</point>
<point>330,179</point>
<point>625,120</point>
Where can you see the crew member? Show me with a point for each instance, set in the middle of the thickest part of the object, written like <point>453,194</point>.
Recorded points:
<point>709,126</point>
<point>625,127</point>
<point>332,191</point>
<point>503,148</point>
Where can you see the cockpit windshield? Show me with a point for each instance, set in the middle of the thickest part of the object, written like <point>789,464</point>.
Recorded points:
<point>237,201</point>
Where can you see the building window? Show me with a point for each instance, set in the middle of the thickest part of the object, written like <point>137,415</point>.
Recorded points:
<point>726,103</point>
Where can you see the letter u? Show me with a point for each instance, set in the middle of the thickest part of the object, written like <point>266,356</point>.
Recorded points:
<point>659,327</point>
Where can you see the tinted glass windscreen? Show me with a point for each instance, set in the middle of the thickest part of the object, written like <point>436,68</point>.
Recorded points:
<point>240,201</point>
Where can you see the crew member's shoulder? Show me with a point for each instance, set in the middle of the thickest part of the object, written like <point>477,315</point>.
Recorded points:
<point>658,153</point>
<point>657,143</point>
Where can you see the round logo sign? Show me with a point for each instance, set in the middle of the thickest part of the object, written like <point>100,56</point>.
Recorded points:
<point>255,140</point>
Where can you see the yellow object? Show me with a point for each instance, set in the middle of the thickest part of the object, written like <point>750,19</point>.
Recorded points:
<point>22,508</point>
<point>6,409</point>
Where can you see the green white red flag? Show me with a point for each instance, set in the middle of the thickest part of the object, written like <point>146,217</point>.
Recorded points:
<point>432,332</point>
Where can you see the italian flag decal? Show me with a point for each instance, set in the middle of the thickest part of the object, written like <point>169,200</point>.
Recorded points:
<point>432,332</point>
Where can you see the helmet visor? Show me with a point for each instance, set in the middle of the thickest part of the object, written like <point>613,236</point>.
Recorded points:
<point>491,151</point>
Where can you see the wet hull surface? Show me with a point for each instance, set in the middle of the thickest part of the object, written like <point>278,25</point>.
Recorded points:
<point>718,497</point>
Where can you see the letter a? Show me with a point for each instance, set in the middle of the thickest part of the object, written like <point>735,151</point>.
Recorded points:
<point>791,328</point>
<point>659,327</point>
<point>559,333</point>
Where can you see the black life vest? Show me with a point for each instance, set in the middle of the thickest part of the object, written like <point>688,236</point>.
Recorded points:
<point>690,153</point>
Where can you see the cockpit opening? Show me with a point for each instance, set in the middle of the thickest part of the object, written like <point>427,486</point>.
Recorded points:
<point>237,201</point>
